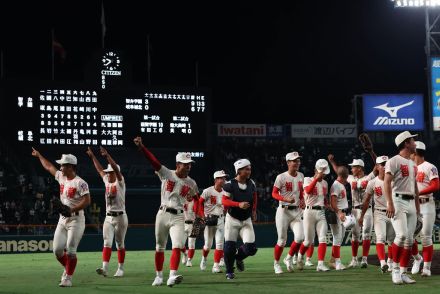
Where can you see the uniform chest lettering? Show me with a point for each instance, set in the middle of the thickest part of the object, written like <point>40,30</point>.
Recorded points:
<point>184,190</point>
<point>61,189</point>
<point>71,192</point>
<point>289,186</point>
<point>170,186</point>
<point>378,191</point>
<point>420,177</point>
<point>404,170</point>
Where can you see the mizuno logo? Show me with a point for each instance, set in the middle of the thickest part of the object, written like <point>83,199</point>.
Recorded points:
<point>392,111</point>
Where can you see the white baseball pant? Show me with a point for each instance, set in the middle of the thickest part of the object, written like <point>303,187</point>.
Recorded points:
<point>68,234</point>
<point>383,228</point>
<point>367,226</point>
<point>217,231</point>
<point>404,222</point>
<point>191,241</point>
<point>338,232</point>
<point>115,226</point>
<point>169,224</point>
<point>235,228</point>
<point>427,210</point>
<point>314,220</point>
<point>286,218</point>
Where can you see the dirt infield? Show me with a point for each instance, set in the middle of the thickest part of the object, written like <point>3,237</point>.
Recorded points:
<point>435,266</point>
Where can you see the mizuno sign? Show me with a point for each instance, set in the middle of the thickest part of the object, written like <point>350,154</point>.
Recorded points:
<point>393,112</point>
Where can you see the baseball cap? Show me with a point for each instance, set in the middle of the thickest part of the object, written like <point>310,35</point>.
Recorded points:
<point>292,156</point>
<point>420,145</point>
<point>381,159</point>
<point>110,169</point>
<point>402,137</point>
<point>241,163</point>
<point>349,222</point>
<point>220,174</point>
<point>184,157</point>
<point>67,159</point>
<point>322,166</point>
<point>357,162</point>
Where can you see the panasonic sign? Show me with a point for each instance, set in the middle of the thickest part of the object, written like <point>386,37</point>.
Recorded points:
<point>393,112</point>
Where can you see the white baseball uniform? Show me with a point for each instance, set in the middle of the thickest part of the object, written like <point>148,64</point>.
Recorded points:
<point>116,221</point>
<point>426,172</point>
<point>213,206</point>
<point>358,186</point>
<point>289,214</point>
<point>404,222</point>
<point>338,230</point>
<point>314,216</point>
<point>382,224</point>
<point>189,216</point>
<point>174,194</point>
<point>70,230</point>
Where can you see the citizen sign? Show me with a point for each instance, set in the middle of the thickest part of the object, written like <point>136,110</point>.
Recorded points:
<point>393,120</point>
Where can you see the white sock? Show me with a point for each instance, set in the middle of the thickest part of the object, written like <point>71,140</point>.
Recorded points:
<point>173,273</point>
<point>382,263</point>
<point>276,262</point>
<point>189,259</point>
<point>417,257</point>
<point>337,261</point>
<point>121,266</point>
<point>403,270</point>
<point>389,260</point>
<point>159,274</point>
<point>300,257</point>
<point>427,265</point>
<point>364,258</point>
<point>216,264</point>
<point>288,256</point>
<point>105,265</point>
<point>320,262</point>
<point>396,265</point>
<point>203,258</point>
<point>307,258</point>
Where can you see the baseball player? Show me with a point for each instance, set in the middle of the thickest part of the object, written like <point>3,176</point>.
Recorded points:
<point>74,193</point>
<point>427,183</point>
<point>211,208</point>
<point>358,182</point>
<point>116,221</point>
<point>315,196</point>
<point>189,210</point>
<point>382,224</point>
<point>241,200</point>
<point>339,204</point>
<point>177,188</point>
<point>402,204</point>
<point>288,190</point>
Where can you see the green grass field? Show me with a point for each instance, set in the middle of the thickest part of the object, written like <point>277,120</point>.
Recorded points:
<point>40,273</point>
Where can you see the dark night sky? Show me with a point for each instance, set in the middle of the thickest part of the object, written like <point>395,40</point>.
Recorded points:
<point>294,63</point>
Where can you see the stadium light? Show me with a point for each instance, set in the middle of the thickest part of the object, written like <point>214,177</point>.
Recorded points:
<point>416,3</point>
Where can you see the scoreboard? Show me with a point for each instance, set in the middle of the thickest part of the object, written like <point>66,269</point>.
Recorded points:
<point>83,116</point>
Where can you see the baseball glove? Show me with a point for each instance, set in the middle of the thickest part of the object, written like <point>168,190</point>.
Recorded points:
<point>198,228</point>
<point>59,207</point>
<point>366,142</point>
<point>419,225</point>
<point>330,217</point>
<point>211,220</point>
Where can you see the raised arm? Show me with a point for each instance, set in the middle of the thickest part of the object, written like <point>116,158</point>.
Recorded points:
<point>331,159</point>
<point>44,162</point>
<point>96,163</point>
<point>111,162</point>
<point>151,158</point>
